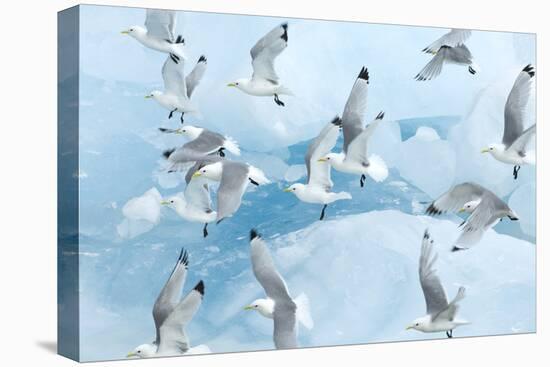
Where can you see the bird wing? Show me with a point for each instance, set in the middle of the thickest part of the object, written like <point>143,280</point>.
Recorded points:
<point>232,187</point>
<point>356,106</point>
<point>266,50</point>
<point>459,55</point>
<point>284,314</point>
<point>514,110</point>
<point>434,294</point>
<point>204,149</point>
<point>161,24</point>
<point>173,339</point>
<point>486,213</point>
<point>197,194</point>
<point>455,198</point>
<point>195,76</point>
<point>434,67</point>
<point>521,142</point>
<point>358,148</point>
<point>319,173</point>
<point>452,39</point>
<point>174,78</point>
<point>170,294</point>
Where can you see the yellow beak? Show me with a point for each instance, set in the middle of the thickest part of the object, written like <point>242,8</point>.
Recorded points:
<point>484,150</point>
<point>287,189</point>
<point>130,355</point>
<point>408,328</point>
<point>247,308</point>
<point>231,85</point>
<point>148,96</point>
<point>321,160</point>
<point>196,174</point>
<point>461,210</point>
<point>164,202</point>
<point>124,32</point>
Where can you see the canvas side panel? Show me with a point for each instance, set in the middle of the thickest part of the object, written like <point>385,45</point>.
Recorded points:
<point>67,183</point>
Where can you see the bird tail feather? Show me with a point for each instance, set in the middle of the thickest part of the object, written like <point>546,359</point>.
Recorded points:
<point>284,91</point>
<point>257,175</point>
<point>231,145</point>
<point>378,170</point>
<point>303,311</point>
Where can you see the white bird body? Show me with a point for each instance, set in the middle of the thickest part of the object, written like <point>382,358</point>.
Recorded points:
<point>261,87</point>
<point>174,102</point>
<point>266,307</point>
<point>155,43</point>
<point>190,212</point>
<point>314,194</point>
<point>427,325</point>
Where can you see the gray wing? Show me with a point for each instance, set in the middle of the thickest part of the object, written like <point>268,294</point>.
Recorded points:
<point>319,173</point>
<point>161,24</point>
<point>521,142</point>
<point>197,193</point>
<point>455,198</point>
<point>434,67</point>
<point>174,78</point>
<point>490,209</point>
<point>514,110</point>
<point>284,317</point>
<point>459,55</point>
<point>232,186</point>
<point>354,111</point>
<point>195,76</point>
<point>358,149</point>
<point>170,294</point>
<point>266,50</point>
<point>453,38</point>
<point>203,148</point>
<point>173,339</point>
<point>199,164</point>
<point>434,294</point>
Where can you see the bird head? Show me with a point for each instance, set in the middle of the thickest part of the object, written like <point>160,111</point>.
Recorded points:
<point>135,31</point>
<point>263,306</point>
<point>330,158</point>
<point>154,94</point>
<point>142,351</point>
<point>470,206</point>
<point>295,188</point>
<point>212,171</point>
<point>239,83</point>
<point>494,149</point>
<point>419,324</point>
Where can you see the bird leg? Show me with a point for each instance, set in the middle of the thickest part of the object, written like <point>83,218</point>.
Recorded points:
<point>253,182</point>
<point>323,212</point>
<point>181,117</point>
<point>449,333</point>
<point>221,152</point>
<point>172,113</point>
<point>204,230</point>
<point>362,180</point>
<point>471,70</point>
<point>516,170</point>
<point>277,100</point>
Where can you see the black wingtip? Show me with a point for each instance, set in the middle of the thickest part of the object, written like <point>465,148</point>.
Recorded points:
<point>337,121</point>
<point>432,210</point>
<point>364,74</point>
<point>253,234</point>
<point>380,115</point>
<point>529,69</point>
<point>426,234</point>
<point>200,287</point>
<point>164,130</point>
<point>166,154</point>
<point>180,39</point>
<point>284,36</point>
<point>456,249</point>
<point>202,59</point>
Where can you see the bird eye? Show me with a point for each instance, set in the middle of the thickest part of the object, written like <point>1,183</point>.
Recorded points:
<point>139,351</point>
<point>172,201</point>
<point>236,83</point>
<point>416,324</point>
<point>256,306</point>
<point>203,171</point>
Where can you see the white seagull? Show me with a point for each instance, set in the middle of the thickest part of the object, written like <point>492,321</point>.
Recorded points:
<point>177,87</point>
<point>485,209</point>
<point>353,159</point>
<point>171,315</point>
<point>203,145</point>
<point>194,204</point>
<point>449,49</point>
<point>512,150</point>
<point>318,186</point>
<point>264,81</point>
<point>160,33</point>
<point>278,305</point>
<point>233,178</point>
<point>440,314</point>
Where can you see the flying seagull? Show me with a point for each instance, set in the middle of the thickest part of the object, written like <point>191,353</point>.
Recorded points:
<point>512,150</point>
<point>171,315</point>
<point>278,305</point>
<point>318,186</point>
<point>177,87</point>
<point>159,33</point>
<point>449,49</point>
<point>485,209</point>
<point>440,314</point>
<point>234,178</point>
<point>353,159</point>
<point>194,204</point>
<point>264,81</point>
<point>203,145</point>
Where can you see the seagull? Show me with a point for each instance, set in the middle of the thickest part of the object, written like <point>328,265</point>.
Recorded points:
<point>440,314</point>
<point>177,87</point>
<point>203,145</point>
<point>278,305</point>
<point>353,159</point>
<point>234,178</point>
<point>159,33</point>
<point>515,139</point>
<point>449,49</point>
<point>171,315</point>
<point>317,188</point>
<point>264,81</point>
<point>484,207</point>
<point>194,204</point>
